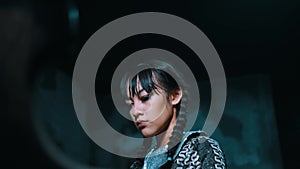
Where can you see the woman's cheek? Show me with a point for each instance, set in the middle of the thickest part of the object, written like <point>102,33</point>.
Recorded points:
<point>131,115</point>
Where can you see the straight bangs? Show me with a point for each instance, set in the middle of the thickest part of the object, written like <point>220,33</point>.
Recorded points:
<point>147,81</point>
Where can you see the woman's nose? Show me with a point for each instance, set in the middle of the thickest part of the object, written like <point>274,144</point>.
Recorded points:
<point>136,114</point>
<point>138,108</point>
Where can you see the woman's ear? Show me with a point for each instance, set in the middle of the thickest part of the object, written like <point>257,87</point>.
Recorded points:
<point>176,97</point>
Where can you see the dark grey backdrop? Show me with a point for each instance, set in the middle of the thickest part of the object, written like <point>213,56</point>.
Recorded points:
<point>258,43</point>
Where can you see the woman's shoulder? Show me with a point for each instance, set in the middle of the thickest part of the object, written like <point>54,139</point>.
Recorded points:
<point>197,149</point>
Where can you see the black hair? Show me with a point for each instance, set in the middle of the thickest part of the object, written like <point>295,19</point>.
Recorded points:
<point>152,79</point>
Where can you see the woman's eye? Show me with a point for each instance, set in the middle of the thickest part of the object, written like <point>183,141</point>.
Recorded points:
<point>145,98</point>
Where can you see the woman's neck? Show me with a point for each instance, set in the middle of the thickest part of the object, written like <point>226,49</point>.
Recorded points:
<point>164,139</point>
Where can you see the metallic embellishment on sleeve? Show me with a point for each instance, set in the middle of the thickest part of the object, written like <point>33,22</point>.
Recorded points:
<point>192,154</point>
<point>188,157</point>
<point>218,155</point>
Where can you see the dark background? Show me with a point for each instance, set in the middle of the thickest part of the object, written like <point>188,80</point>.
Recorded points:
<point>251,37</point>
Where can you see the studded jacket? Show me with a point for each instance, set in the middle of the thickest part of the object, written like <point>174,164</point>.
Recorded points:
<point>196,151</point>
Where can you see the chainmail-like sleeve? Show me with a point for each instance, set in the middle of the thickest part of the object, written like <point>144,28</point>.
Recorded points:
<point>195,152</point>
<point>200,153</point>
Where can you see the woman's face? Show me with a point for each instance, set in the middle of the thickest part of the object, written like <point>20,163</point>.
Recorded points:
<point>151,112</point>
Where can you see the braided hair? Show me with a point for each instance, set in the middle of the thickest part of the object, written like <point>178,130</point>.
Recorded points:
<point>178,129</point>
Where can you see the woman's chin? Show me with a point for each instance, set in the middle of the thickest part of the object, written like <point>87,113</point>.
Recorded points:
<point>146,133</point>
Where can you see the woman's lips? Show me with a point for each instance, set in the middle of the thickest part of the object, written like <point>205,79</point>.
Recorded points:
<point>141,124</point>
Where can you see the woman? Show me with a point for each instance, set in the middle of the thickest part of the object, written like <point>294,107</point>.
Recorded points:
<point>158,109</point>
